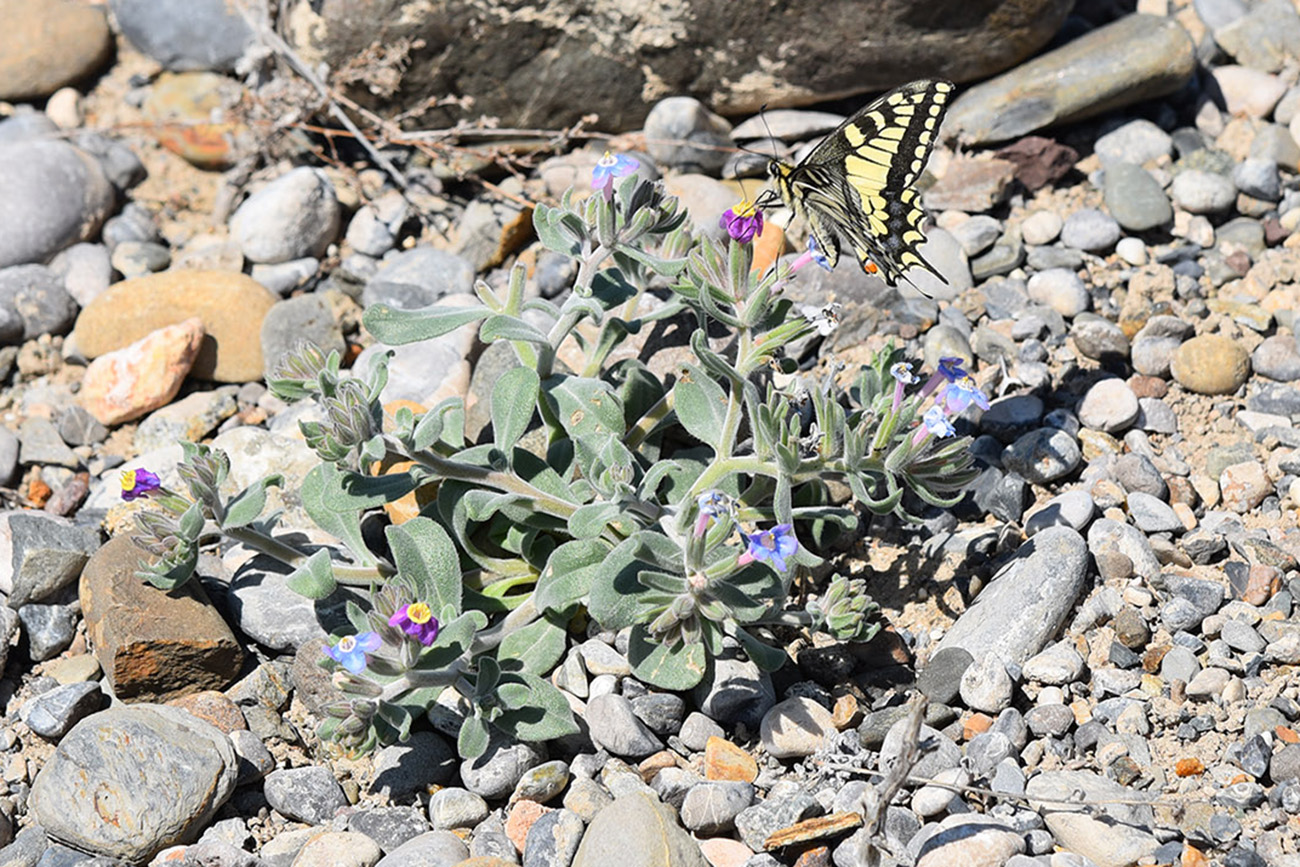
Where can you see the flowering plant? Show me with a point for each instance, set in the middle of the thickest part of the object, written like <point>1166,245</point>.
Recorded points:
<point>678,508</point>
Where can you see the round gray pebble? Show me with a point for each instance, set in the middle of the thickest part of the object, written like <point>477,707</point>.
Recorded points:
<point>1090,230</point>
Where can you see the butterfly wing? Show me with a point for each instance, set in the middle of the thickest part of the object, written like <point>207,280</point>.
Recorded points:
<point>857,183</point>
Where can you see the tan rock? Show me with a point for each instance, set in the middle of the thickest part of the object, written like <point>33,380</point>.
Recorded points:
<point>723,760</point>
<point>46,45</point>
<point>153,645</point>
<point>128,383</point>
<point>231,306</point>
<point>1211,364</point>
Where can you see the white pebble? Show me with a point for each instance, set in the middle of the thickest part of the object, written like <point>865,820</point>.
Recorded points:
<point>1132,251</point>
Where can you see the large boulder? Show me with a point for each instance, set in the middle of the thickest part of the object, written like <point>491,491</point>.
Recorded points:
<point>548,64</point>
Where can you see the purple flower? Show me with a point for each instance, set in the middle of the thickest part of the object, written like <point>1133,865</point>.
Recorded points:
<point>138,483</point>
<point>351,650</point>
<point>712,504</point>
<point>417,621</point>
<point>772,546</point>
<point>812,254</point>
<point>933,423</point>
<point>742,221</point>
<point>610,167</point>
<point>950,370</point>
<point>903,376</point>
<point>961,393</point>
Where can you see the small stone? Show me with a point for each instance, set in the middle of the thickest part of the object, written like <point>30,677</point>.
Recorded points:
<point>1152,515</point>
<point>338,849</point>
<point>553,839</point>
<point>711,808</point>
<point>985,685</point>
<point>430,849</point>
<point>542,783</point>
<point>1042,456</point>
<point>615,727</point>
<point>305,319</point>
<point>795,728</point>
<point>637,831</point>
<point>231,307</point>
<point>1248,92</point>
<point>1134,198</point>
<point>1244,486</point>
<point>417,278</point>
<point>185,34</point>
<point>496,773</point>
<point>52,714</point>
<point>453,807</point>
<point>409,767</point>
<point>1277,358</point>
<point>1090,230</point>
<point>1041,227</point>
<point>682,133</point>
<point>697,729</point>
<point>1210,364</point>
<point>34,303</point>
<point>1071,509</point>
<point>1110,406</point>
<point>294,216</point>
<point>1201,192</point>
<point>724,760</point>
<point>308,794</point>
<point>1058,665</point>
<point>128,383</point>
<point>1099,338</point>
<point>1061,290</point>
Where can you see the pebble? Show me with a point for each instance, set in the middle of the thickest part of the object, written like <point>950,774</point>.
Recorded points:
<point>1042,456</point>
<point>338,849</point>
<point>295,216</point>
<point>795,728</point>
<point>966,839</point>
<point>33,302</point>
<point>45,48</point>
<point>711,808</point>
<point>1277,358</point>
<point>1098,69</point>
<point>1132,250</point>
<point>231,307</point>
<point>1202,192</point>
<point>88,794</point>
<point>284,277</point>
<point>49,629</point>
<point>1155,344</point>
<point>308,794</point>
<point>985,684</point>
<point>410,767</point>
<point>85,270</point>
<point>131,382</point>
<point>682,133</point>
<point>1090,230</point>
<point>1249,92</point>
<point>56,195</point>
<point>614,726</point>
<point>1026,601</point>
<point>1134,198</point>
<point>185,34</point>
<point>1152,515</point>
<point>305,318</point>
<point>430,849</point>
<point>52,714</point>
<point>736,692</point>
<point>454,807</point>
<point>1099,338</point>
<point>1109,406</point>
<point>1072,509</point>
<point>1061,290</point>
<point>1244,486</point>
<point>784,806</point>
<point>1210,364</point>
<point>636,830</point>
<point>1117,835</point>
<point>1041,227</point>
<point>1108,535</point>
<point>553,839</point>
<point>496,773</point>
<point>1136,142</point>
<point>417,278</point>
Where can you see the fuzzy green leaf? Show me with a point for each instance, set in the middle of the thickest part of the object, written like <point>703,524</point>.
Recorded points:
<point>585,406</point>
<point>568,574</point>
<point>676,667</point>
<point>427,561</point>
<point>702,407</point>
<point>589,521</point>
<point>514,398</point>
<point>472,741</point>
<point>765,656</point>
<point>344,525</point>
<point>314,578</point>
<point>395,326</point>
<point>537,647</point>
<point>542,715</point>
<point>501,327</point>
<point>247,505</point>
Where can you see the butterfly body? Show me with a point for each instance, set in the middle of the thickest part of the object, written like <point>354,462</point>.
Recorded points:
<point>857,185</point>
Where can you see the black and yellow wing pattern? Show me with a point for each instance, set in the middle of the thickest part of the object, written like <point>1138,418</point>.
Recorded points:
<point>857,184</point>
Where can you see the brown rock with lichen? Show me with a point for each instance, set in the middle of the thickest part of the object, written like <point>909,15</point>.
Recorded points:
<point>153,645</point>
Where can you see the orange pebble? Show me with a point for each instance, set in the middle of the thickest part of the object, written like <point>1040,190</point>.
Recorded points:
<point>977,723</point>
<point>1189,767</point>
<point>1286,735</point>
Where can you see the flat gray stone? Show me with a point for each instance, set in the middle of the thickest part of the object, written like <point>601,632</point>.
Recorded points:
<point>1028,600</point>
<point>88,794</point>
